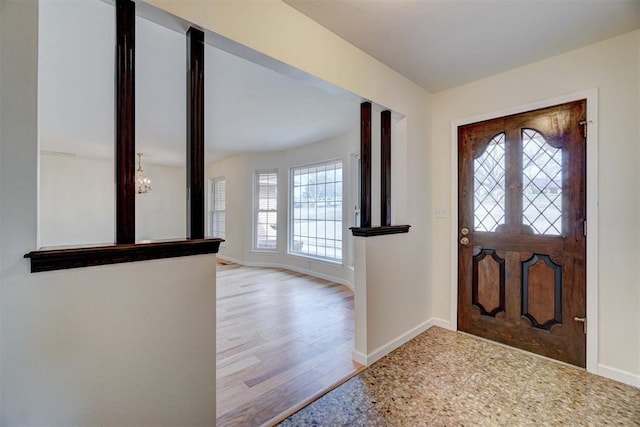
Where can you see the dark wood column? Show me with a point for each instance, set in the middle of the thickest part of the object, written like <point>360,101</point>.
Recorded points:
<point>365,165</point>
<point>125,146</point>
<point>385,171</point>
<point>195,134</point>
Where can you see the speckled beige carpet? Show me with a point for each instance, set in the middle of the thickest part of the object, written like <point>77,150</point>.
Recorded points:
<point>445,378</point>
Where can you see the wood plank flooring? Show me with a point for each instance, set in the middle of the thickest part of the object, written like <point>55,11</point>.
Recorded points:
<point>283,339</point>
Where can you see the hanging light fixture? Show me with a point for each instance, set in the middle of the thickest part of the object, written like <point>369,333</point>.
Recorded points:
<point>143,184</point>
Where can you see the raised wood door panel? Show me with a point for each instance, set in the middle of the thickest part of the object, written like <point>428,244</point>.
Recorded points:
<point>522,248</point>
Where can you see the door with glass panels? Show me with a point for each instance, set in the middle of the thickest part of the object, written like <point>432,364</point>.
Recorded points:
<point>521,231</point>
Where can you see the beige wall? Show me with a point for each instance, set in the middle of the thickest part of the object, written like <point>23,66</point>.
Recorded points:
<point>611,67</point>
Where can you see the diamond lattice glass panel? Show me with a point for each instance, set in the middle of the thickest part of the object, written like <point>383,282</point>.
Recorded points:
<point>542,184</point>
<point>489,186</point>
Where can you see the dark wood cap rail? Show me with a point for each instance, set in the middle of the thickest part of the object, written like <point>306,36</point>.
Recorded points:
<point>61,259</point>
<point>379,231</point>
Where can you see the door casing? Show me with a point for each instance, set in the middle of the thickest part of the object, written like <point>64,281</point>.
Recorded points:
<point>592,209</point>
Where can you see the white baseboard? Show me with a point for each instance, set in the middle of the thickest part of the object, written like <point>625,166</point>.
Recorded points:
<point>359,357</point>
<point>619,375</point>
<point>442,323</point>
<point>311,273</point>
<point>387,348</point>
<point>229,259</point>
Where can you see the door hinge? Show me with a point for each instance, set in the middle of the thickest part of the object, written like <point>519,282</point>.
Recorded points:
<point>582,320</point>
<point>584,227</point>
<point>585,125</point>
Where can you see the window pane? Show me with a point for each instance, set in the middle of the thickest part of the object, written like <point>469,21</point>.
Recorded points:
<point>542,184</point>
<point>316,214</point>
<point>217,205</point>
<point>489,186</point>
<point>266,219</point>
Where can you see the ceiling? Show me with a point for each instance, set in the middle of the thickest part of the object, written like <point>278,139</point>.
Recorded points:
<point>248,108</point>
<point>440,44</point>
<point>436,43</point>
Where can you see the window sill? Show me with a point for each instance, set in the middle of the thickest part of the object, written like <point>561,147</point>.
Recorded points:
<point>62,259</point>
<point>379,231</point>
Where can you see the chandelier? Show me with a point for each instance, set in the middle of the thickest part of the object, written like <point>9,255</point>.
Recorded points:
<point>143,184</point>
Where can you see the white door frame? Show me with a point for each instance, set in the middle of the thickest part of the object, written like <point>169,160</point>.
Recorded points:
<point>592,208</point>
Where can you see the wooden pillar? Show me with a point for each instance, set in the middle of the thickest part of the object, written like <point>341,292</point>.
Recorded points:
<point>195,134</point>
<point>125,145</point>
<point>365,165</point>
<point>385,168</point>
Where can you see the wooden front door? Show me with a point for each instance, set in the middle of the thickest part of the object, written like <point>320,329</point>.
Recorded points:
<point>521,231</point>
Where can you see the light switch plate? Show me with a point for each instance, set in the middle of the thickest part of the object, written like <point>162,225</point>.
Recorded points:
<point>441,213</point>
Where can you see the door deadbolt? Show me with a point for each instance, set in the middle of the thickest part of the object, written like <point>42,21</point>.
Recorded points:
<point>464,231</point>
<point>464,241</point>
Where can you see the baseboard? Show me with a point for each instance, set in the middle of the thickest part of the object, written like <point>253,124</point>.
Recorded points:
<point>359,357</point>
<point>442,323</point>
<point>364,359</point>
<point>387,348</point>
<point>619,375</point>
<point>229,259</point>
<point>311,273</point>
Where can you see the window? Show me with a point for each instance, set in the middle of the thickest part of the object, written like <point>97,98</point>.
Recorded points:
<point>489,188</point>
<point>217,207</point>
<point>316,211</point>
<point>266,206</point>
<point>542,184</point>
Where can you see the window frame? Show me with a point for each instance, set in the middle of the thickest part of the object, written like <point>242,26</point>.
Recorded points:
<point>256,210</point>
<point>292,218</point>
<point>213,195</point>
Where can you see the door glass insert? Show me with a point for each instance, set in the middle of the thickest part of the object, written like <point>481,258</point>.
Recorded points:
<point>542,184</point>
<point>489,186</point>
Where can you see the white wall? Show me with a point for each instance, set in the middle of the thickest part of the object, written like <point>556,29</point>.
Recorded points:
<point>162,213</point>
<point>239,175</point>
<point>237,192</point>
<point>41,341</point>
<point>77,201</point>
<point>612,67</point>
<point>2,154</point>
<point>281,33</point>
<point>128,344</point>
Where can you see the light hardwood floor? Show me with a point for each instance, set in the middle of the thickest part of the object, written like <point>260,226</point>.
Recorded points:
<point>283,339</point>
